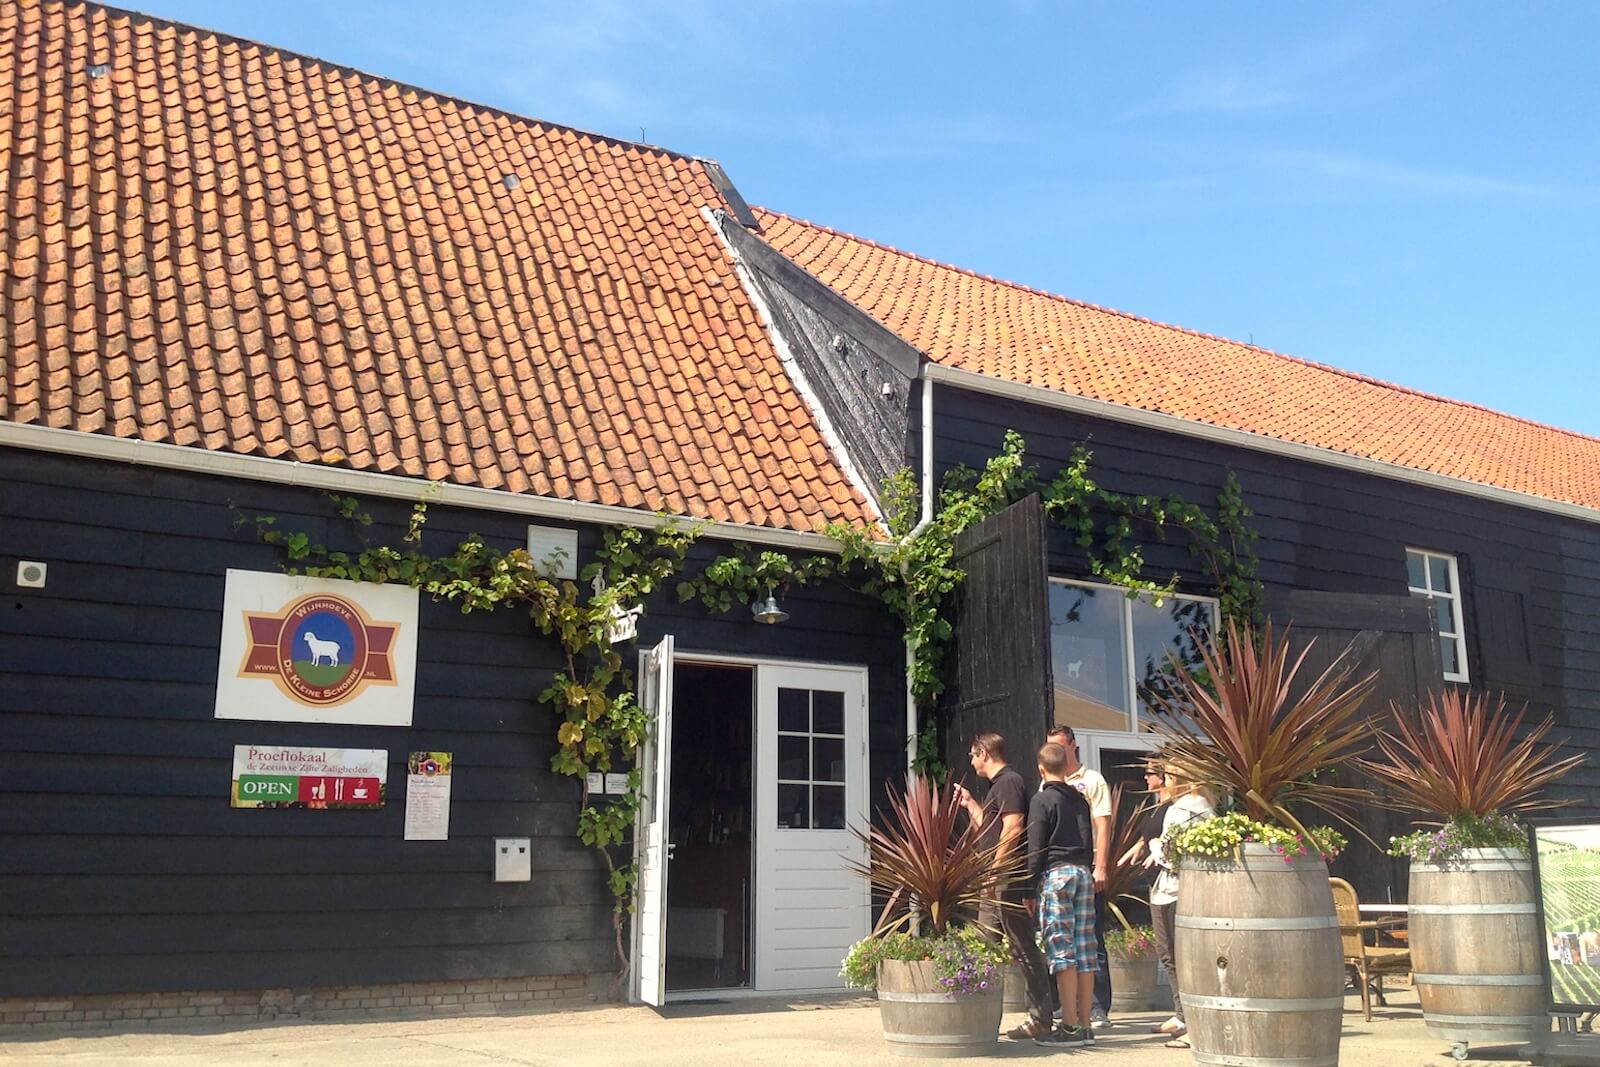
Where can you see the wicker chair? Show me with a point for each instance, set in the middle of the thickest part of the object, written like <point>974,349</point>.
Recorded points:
<point>1367,963</point>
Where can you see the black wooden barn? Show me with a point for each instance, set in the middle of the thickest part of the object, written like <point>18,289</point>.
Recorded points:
<point>236,280</point>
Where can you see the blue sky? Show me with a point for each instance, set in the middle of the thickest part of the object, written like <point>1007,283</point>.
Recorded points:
<point>1407,190</point>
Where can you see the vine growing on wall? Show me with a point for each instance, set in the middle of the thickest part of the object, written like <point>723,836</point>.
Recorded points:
<point>599,723</point>
<point>913,574</point>
<point>599,720</point>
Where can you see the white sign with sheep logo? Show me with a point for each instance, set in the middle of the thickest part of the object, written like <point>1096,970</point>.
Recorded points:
<point>316,650</point>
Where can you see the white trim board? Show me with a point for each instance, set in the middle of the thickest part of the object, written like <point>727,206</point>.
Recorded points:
<point>370,483</point>
<point>791,366</point>
<point>1154,420</point>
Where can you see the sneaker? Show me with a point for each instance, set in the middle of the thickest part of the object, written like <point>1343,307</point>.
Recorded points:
<point>1098,1019</point>
<point>1064,1037</point>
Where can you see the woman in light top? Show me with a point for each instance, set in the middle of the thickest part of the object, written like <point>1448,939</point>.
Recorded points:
<point>1186,802</point>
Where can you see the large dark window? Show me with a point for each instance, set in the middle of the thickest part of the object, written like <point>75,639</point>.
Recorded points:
<point>1108,650</point>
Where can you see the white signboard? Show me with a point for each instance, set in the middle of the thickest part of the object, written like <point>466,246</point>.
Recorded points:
<point>316,650</point>
<point>308,776</point>
<point>428,796</point>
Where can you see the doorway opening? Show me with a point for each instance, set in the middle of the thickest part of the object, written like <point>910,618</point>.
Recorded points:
<point>710,891</point>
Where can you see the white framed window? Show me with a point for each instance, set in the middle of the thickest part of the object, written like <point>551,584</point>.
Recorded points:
<point>1108,650</point>
<point>1434,575</point>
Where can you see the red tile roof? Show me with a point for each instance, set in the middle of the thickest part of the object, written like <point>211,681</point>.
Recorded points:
<point>995,328</point>
<point>211,243</point>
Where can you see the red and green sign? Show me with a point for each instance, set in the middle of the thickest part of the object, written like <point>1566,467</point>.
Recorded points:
<point>286,776</point>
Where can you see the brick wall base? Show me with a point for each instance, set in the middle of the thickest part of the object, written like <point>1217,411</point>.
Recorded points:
<point>100,1011</point>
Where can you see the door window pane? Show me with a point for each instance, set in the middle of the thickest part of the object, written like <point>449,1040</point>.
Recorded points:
<point>828,762</point>
<point>828,809</point>
<point>1175,628</point>
<point>793,807</point>
<point>1087,636</point>
<point>811,759</point>
<point>794,711</point>
<point>793,765</point>
<point>827,711</point>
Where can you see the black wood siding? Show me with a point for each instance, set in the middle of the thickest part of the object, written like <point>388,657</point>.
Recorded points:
<point>1327,529</point>
<point>122,867</point>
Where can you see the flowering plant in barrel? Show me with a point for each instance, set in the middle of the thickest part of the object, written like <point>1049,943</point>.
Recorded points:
<point>1257,936</point>
<point>936,972</point>
<point>1476,945</point>
<point>1133,943</point>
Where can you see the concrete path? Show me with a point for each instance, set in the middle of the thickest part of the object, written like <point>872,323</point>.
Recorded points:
<point>842,1031</point>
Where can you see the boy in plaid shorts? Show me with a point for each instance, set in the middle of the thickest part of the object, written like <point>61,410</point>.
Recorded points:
<point>1061,859</point>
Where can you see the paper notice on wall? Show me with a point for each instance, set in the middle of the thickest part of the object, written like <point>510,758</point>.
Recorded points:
<point>428,796</point>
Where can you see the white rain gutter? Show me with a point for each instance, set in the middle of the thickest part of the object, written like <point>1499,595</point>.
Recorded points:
<point>1153,420</point>
<point>368,483</point>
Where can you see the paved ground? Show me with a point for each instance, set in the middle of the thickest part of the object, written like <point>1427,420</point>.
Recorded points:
<point>835,1031</point>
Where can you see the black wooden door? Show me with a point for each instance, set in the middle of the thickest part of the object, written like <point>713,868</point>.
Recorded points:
<point>1397,637</point>
<point>999,666</point>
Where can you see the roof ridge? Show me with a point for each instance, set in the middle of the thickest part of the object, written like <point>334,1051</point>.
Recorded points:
<point>345,68</point>
<point>1356,375</point>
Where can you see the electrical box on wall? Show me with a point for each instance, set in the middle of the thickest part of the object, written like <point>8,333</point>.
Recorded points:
<point>513,859</point>
<point>31,574</point>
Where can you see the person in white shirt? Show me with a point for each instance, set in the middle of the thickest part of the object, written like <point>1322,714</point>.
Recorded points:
<point>1186,802</point>
<point>1094,789</point>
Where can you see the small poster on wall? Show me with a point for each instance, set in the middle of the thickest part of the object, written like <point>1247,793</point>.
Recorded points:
<point>308,776</point>
<point>428,796</point>
<point>1568,869</point>
<point>316,650</point>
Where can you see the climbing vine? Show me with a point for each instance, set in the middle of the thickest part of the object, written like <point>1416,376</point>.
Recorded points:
<point>599,723</point>
<point>913,573</point>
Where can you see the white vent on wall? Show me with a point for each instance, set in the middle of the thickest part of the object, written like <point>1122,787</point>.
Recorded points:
<point>554,550</point>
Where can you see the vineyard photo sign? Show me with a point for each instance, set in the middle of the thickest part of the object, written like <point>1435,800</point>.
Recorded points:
<point>1567,876</point>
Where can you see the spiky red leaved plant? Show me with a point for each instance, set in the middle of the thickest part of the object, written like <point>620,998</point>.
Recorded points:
<point>1239,723</point>
<point>1460,755</point>
<point>932,866</point>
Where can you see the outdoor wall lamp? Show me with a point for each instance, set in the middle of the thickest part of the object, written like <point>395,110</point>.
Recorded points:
<point>767,610</point>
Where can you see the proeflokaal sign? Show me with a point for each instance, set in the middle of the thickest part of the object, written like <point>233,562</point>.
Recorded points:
<point>316,650</point>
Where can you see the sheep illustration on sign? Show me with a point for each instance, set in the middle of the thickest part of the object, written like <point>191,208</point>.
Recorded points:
<point>301,648</point>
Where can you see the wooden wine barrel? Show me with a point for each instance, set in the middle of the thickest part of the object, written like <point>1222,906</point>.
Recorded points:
<point>920,1019</point>
<point>1133,984</point>
<point>1259,963</point>
<point>1476,948</point>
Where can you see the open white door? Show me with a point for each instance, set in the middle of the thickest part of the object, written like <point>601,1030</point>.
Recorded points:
<point>811,774</point>
<point>651,849</point>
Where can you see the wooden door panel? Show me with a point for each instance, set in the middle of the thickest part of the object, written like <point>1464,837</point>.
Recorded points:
<point>999,666</point>
<point>1397,637</point>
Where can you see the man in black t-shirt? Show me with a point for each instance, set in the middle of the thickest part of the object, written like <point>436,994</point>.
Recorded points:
<point>1000,822</point>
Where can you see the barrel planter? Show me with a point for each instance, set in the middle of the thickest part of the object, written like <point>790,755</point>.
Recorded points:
<point>1259,960</point>
<point>921,1019</point>
<point>1133,984</point>
<point>1015,986</point>
<point>1476,949</point>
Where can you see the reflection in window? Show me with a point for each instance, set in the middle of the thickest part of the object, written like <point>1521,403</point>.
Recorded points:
<point>1108,650</point>
<point>1087,638</point>
<point>1174,629</point>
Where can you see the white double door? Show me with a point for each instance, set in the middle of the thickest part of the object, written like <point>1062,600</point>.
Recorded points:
<point>810,790</point>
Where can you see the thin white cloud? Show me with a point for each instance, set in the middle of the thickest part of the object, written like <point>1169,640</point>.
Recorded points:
<point>1374,173</point>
